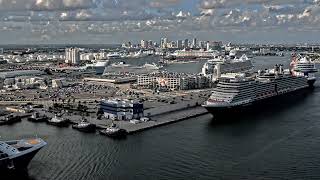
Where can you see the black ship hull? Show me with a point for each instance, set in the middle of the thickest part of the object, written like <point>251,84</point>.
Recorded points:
<point>260,106</point>
<point>118,134</point>
<point>18,163</point>
<point>89,129</point>
<point>37,119</point>
<point>59,124</point>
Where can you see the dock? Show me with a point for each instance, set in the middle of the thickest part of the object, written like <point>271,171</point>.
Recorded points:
<point>162,119</point>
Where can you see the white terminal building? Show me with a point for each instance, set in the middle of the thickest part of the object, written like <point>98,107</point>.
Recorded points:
<point>171,82</point>
<point>125,110</point>
<point>72,56</point>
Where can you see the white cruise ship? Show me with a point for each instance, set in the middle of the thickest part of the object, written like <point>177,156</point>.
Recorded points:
<point>194,54</point>
<point>226,65</point>
<point>303,64</point>
<point>113,55</point>
<point>234,94</point>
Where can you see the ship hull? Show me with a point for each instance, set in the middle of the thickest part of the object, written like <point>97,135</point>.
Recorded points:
<point>89,129</point>
<point>18,163</point>
<point>258,107</point>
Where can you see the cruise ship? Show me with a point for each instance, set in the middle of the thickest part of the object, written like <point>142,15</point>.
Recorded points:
<point>16,155</point>
<point>304,65</point>
<point>239,91</point>
<point>194,54</point>
<point>227,65</point>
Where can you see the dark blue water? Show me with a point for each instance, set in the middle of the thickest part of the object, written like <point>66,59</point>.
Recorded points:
<point>282,142</point>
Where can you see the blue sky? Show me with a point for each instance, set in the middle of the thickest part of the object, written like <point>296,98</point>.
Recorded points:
<point>115,21</point>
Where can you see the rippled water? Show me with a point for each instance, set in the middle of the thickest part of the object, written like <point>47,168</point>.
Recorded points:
<point>282,142</point>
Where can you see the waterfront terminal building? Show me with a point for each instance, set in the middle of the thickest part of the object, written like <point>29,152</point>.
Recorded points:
<point>172,82</point>
<point>125,110</point>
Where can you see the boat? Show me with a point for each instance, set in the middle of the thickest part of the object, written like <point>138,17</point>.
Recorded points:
<point>193,54</point>
<point>120,64</point>
<point>36,117</point>
<point>113,131</point>
<point>17,154</point>
<point>305,65</point>
<point>220,65</point>
<point>10,119</point>
<point>84,126</point>
<point>113,55</point>
<point>152,66</point>
<point>58,121</point>
<point>239,92</point>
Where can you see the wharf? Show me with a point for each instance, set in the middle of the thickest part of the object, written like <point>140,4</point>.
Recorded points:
<point>162,119</point>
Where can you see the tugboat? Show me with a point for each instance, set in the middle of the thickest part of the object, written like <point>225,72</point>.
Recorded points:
<point>17,154</point>
<point>10,119</point>
<point>60,122</point>
<point>37,118</point>
<point>113,131</point>
<point>85,126</point>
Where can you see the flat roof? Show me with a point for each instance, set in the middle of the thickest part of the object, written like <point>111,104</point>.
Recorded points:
<point>13,74</point>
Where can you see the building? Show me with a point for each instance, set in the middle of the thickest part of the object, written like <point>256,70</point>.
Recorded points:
<point>13,74</point>
<point>186,43</point>
<point>194,43</point>
<point>72,56</point>
<point>179,44</point>
<point>59,83</point>
<point>125,110</point>
<point>144,44</point>
<point>171,81</point>
<point>164,42</point>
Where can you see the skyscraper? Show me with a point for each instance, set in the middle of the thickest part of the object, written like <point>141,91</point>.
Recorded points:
<point>186,43</point>
<point>179,44</point>
<point>72,56</point>
<point>194,43</point>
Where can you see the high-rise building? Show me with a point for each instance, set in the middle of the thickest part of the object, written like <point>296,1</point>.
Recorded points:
<point>186,43</point>
<point>202,44</point>
<point>208,45</point>
<point>194,43</point>
<point>179,44</point>
<point>144,44</point>
<point>150,44</point>
<point>72,56</point>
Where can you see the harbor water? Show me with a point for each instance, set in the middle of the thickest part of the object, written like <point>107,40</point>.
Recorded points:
<point>281,142</point>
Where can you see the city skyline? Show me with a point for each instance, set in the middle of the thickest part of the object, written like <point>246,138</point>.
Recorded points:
<point>116,21</point>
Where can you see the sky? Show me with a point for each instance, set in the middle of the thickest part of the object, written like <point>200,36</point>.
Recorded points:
<point>117,21</point>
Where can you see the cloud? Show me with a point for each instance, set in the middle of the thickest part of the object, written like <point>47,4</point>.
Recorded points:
<point>45,5</point>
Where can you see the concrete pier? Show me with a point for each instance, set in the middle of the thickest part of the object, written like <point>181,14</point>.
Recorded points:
<point>163,119</point>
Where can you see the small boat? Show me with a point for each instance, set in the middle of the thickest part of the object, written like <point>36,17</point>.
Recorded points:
<point>10,119</point>
<point>37,118</point>
<point>113,131</point>
<point>85,126</point>
<point>60,122</point>
<point>17,154</point>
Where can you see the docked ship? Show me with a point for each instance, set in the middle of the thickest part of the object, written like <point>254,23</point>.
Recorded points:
<point>98,66</point>
<point>221,65</point>
<point>16,155</point>
<point>85,126</point>
<point>238,92</point>
<point>113,131</point>
<point>9,119</point>
<point>58,121</point>
<point>304,65</point>
<point>193,54</point>
<point>36,117</point>
<point>113,55</point>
